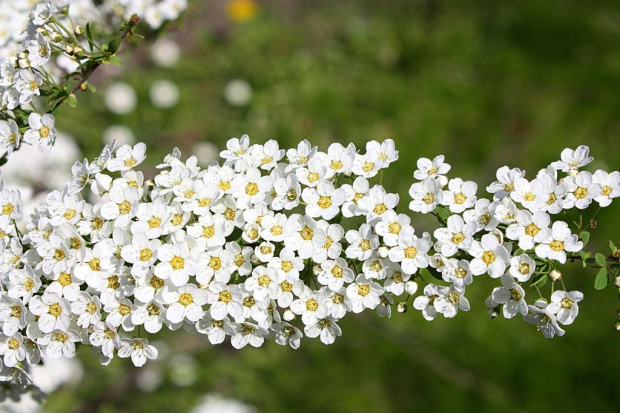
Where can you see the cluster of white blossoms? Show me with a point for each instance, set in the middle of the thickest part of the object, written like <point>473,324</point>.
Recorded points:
<point>40,40</point>
<point>258,247</point>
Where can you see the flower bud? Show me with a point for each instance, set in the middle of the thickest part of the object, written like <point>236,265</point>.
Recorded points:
<point>411,287</point>
<point>383,251</point>
<point>55,36</point>
<point>316,270</point>
<point>288,315</point>
<point>617,282</point>
<point>401,307</point>
<point>617,326</point>
<point>555,275</point>
<point>23,63</point>
<point>573,172</point>
<point>78,31</point>
<point>254,259</point>
<point>78,50</point>
<point>69,49</point>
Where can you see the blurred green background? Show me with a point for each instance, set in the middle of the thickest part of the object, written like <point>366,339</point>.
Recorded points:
<point>487,83</point>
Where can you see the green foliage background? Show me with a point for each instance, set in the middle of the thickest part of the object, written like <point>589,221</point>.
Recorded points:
<point>487,83</point>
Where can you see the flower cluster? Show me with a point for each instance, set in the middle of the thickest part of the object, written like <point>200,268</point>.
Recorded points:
<point>262,246</point>
<point>39,41</point>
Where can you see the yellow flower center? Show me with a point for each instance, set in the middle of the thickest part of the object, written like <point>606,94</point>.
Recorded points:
<point>312,305</point>
<point>365,244</point>
<point>124,207</point>
<point>313,177</point>
<point>230,214</point>
<point>264,281</point>
<point>156,282</point>
<point>394,228</point>
<point>153,309</point>
<point>567,303</point>
<point>55,310</point>
<point>335,165</point>
<point>488,257</point>
<point>532,230</point>
<point>380,209</point>
<point>337,271</point>
<point>251,189</point>
<point>124,309</point>
<point>59,255</point>
<point>291,195</point>
<point>130,162</point>
<point>64,279</point>
<point>215,263</point>
<point>177,263</point>
<point>306,233</point>
<point>224,296</point>
<point>286,266</point>
<point>454,297</point>
<point>286,286</point>
<point>324,202</point>
<point>113,283</point>
<point>459,198</point>
<point>224,185</point>
<point>368,166</point>
<point>363,290</point>
<point>580,192</point>
<point>524,268</point>
<point>13,344</point>
<point>208,232</point>
<point>460,272</point>
<point>458,238</point>
<point>239,260</point>
<point>7,209</point>
<point>44,132</point>
<point>411,252</point>
<point>186,299</point>
<point>606,190</point>
<point>276,230</point>
<point>556,245</point>
<point>429,198</point>
<point>146,254</point>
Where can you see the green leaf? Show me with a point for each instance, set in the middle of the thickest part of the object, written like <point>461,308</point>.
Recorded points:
<point>584,257</point>
<point>72,100</point>
<point>114,45</point>
<point>585,237</point>
<point>540,280</point>
<point>601,279</point>
<point>600,259</point>
<point>613,247</point>
<point>114,61</point>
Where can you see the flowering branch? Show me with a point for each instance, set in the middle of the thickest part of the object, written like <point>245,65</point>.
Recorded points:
<point>258,248</point>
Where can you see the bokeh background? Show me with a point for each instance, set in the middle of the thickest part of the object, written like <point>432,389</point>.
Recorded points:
<point>487,83</point>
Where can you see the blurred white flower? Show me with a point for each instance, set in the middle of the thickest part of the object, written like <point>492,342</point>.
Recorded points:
<point>120,98</point>
<point>183,370</point>
<point>164,94</point>
<point>165,52</point>
<point>56,372</point>
<point>214,403</point>
<point>238,92</point>
<point>119,133</point>
<point>205,152</point>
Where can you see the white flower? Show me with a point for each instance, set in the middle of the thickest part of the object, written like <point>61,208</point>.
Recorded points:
<point>41,132</point>
<point>104,335</point>
<point>573,159</point>
<point>460,195</point>
<point>457,272</point>
<point>354,193</point>
<point>376,203</point>
<point>434,169</point>
<point>301,156</point>
<point>426,195</point>
<point>450,301</point>
<point>215,330</point>
<point>364,293</point>
<point>505,183</point>
<point>287,192</point>
<point>386,150</point>
<point>581,190</point>
<point>236,149</point>
<point>512,296</point>
<point>457,235</point>
<point>339,159</point>
<point>544,319</point>
<point>412,253</point>
<point>362,243</point>
<point>184,303</point>
<point>151,315</point>
<point>392,226</point>
<point>304,236</point>
<point>610,186</point>
<point>138,349</point>
<point>12,315</point>
<point>268,155</point>
<point>313,173</point>
<point>310,306</point>
<point>59,343</point>
<point>564,305</point>
<point>560,241</point>
<point>324,201</point>
<point>522,267</point>
<point>426,302</point>
<point>13,349</point>
<point>530,229</point>
<point>326,329</point>
<point>334,273</point>
<point>9,135</point>
<point>176,264</point>
<point>248,333</point>
<point>224,300</point>
<point>52,310</point>
<point>287,334</point>
<point>481,215</point>
<point>127,157</point>
<point>490,257</point>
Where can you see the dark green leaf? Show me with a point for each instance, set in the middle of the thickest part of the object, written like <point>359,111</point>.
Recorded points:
<point>72,100</point>
<point>540,280</point>
<point>602,279</point>
<point>114,45</point>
